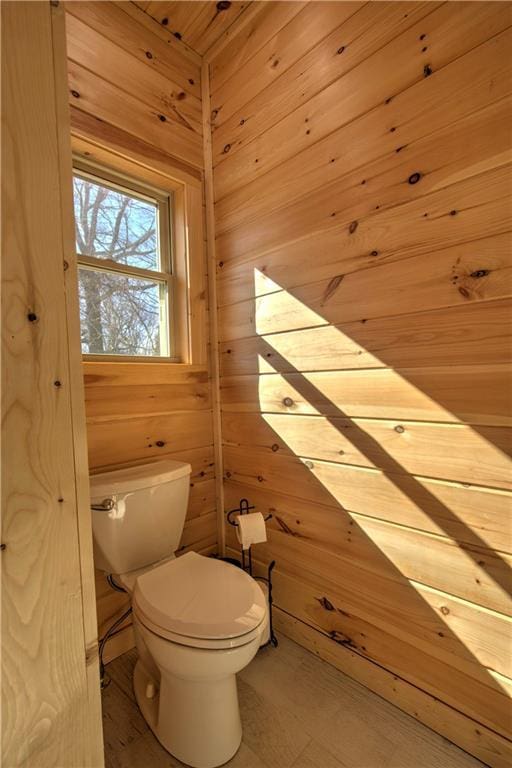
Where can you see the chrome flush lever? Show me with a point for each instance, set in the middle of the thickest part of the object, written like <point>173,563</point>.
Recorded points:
<point>104,506</point>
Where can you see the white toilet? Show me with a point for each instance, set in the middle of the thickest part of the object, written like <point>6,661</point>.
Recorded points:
<point>198,621</point>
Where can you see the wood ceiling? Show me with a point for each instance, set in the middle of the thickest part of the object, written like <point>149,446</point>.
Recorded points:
<point>199,24</point>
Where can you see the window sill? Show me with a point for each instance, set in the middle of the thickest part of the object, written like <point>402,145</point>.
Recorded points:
<point>140,372</point>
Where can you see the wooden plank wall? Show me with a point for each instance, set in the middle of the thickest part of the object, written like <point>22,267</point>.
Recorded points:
<point>138,90</point>
<point>51,707</point>
<point>362,211</point>
<point>197,23</point>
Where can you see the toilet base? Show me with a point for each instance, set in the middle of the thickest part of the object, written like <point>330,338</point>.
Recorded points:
<point>196,721</point>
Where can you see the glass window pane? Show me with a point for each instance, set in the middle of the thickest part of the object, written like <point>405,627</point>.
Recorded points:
<point>122,315</point>
<point>110,224</point>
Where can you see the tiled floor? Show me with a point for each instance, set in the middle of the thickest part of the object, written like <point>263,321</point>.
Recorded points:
<point>297,712</point>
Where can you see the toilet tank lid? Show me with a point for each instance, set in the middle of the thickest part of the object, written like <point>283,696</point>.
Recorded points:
<point>135,478</point>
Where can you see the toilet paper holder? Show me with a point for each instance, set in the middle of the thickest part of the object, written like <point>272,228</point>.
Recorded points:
<point>243,509</point>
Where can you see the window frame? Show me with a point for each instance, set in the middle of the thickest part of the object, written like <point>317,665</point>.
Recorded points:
<point>103,146</point>
<point>164,200</point>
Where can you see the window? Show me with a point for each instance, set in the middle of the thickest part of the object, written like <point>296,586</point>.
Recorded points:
<point>124,250</point>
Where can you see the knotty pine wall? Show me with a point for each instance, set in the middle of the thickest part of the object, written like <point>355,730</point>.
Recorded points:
<point>135,89</point>
<point>362,213</point>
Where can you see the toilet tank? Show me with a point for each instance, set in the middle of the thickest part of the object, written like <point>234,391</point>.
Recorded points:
<point>138,514</point>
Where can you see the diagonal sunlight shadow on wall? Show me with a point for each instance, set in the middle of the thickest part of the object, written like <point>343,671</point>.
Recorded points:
<point>312,391</point>
<point>382,476</point>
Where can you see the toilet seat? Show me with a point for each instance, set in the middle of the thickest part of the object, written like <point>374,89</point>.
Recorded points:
<point>200,602</point>
<point>194,642</point>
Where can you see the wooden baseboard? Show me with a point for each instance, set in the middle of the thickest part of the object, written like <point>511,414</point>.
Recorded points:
<point>483,743</point>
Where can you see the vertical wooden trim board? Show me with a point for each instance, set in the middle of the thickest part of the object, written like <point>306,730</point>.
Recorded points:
<point>50,683</point>
<point>362,184</point>
<point>212,295</point>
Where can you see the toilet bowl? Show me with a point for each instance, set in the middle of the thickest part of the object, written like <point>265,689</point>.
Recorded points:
<point>197,620</point>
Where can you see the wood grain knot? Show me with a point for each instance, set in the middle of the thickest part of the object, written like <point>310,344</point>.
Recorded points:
<point>160,443</point>
<point>414,177</point>
<point>288,402</point>
<point>32,317</point>
<point>332,287</point>
<point>226,149</point>
<point>342,639</point>
<point>427,70</point>
<point>162,118</point>
<point>353,226</point>
<point>325,603</point>
<point>309,464</point>
<point>399,429</point>
<point>75,94</point>
<point>480,273</point>
<point>223,5</point>
<point>275,447</point>
<point>444,610</point>
<point>340,50</point>
<point>149,55</point>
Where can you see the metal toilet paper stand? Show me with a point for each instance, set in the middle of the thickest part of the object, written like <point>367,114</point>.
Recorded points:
<point>244,509</point>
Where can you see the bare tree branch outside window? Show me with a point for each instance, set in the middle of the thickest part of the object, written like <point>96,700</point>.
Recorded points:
<point>119,314</point>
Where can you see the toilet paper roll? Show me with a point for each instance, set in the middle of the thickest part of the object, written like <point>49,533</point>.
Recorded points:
<point>251,529</point>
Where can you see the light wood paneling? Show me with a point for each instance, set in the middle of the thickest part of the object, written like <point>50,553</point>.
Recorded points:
<point>199,24</point>
<point>445,394</point>
<point>402,648</point>
<point>125,75</point>
<point>376,443</point>
<point>362,204</point>
<point>50,682</point>
<point>255,134</point>
<point>136,106</point>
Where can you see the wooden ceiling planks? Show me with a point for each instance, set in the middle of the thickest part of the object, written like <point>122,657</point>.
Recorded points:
<point>198,24</point>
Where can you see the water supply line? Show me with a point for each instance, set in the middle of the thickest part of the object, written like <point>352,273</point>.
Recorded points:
<point>104,679</point>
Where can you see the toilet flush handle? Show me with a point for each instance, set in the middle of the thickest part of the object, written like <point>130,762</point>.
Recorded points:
<point>104,506</point>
